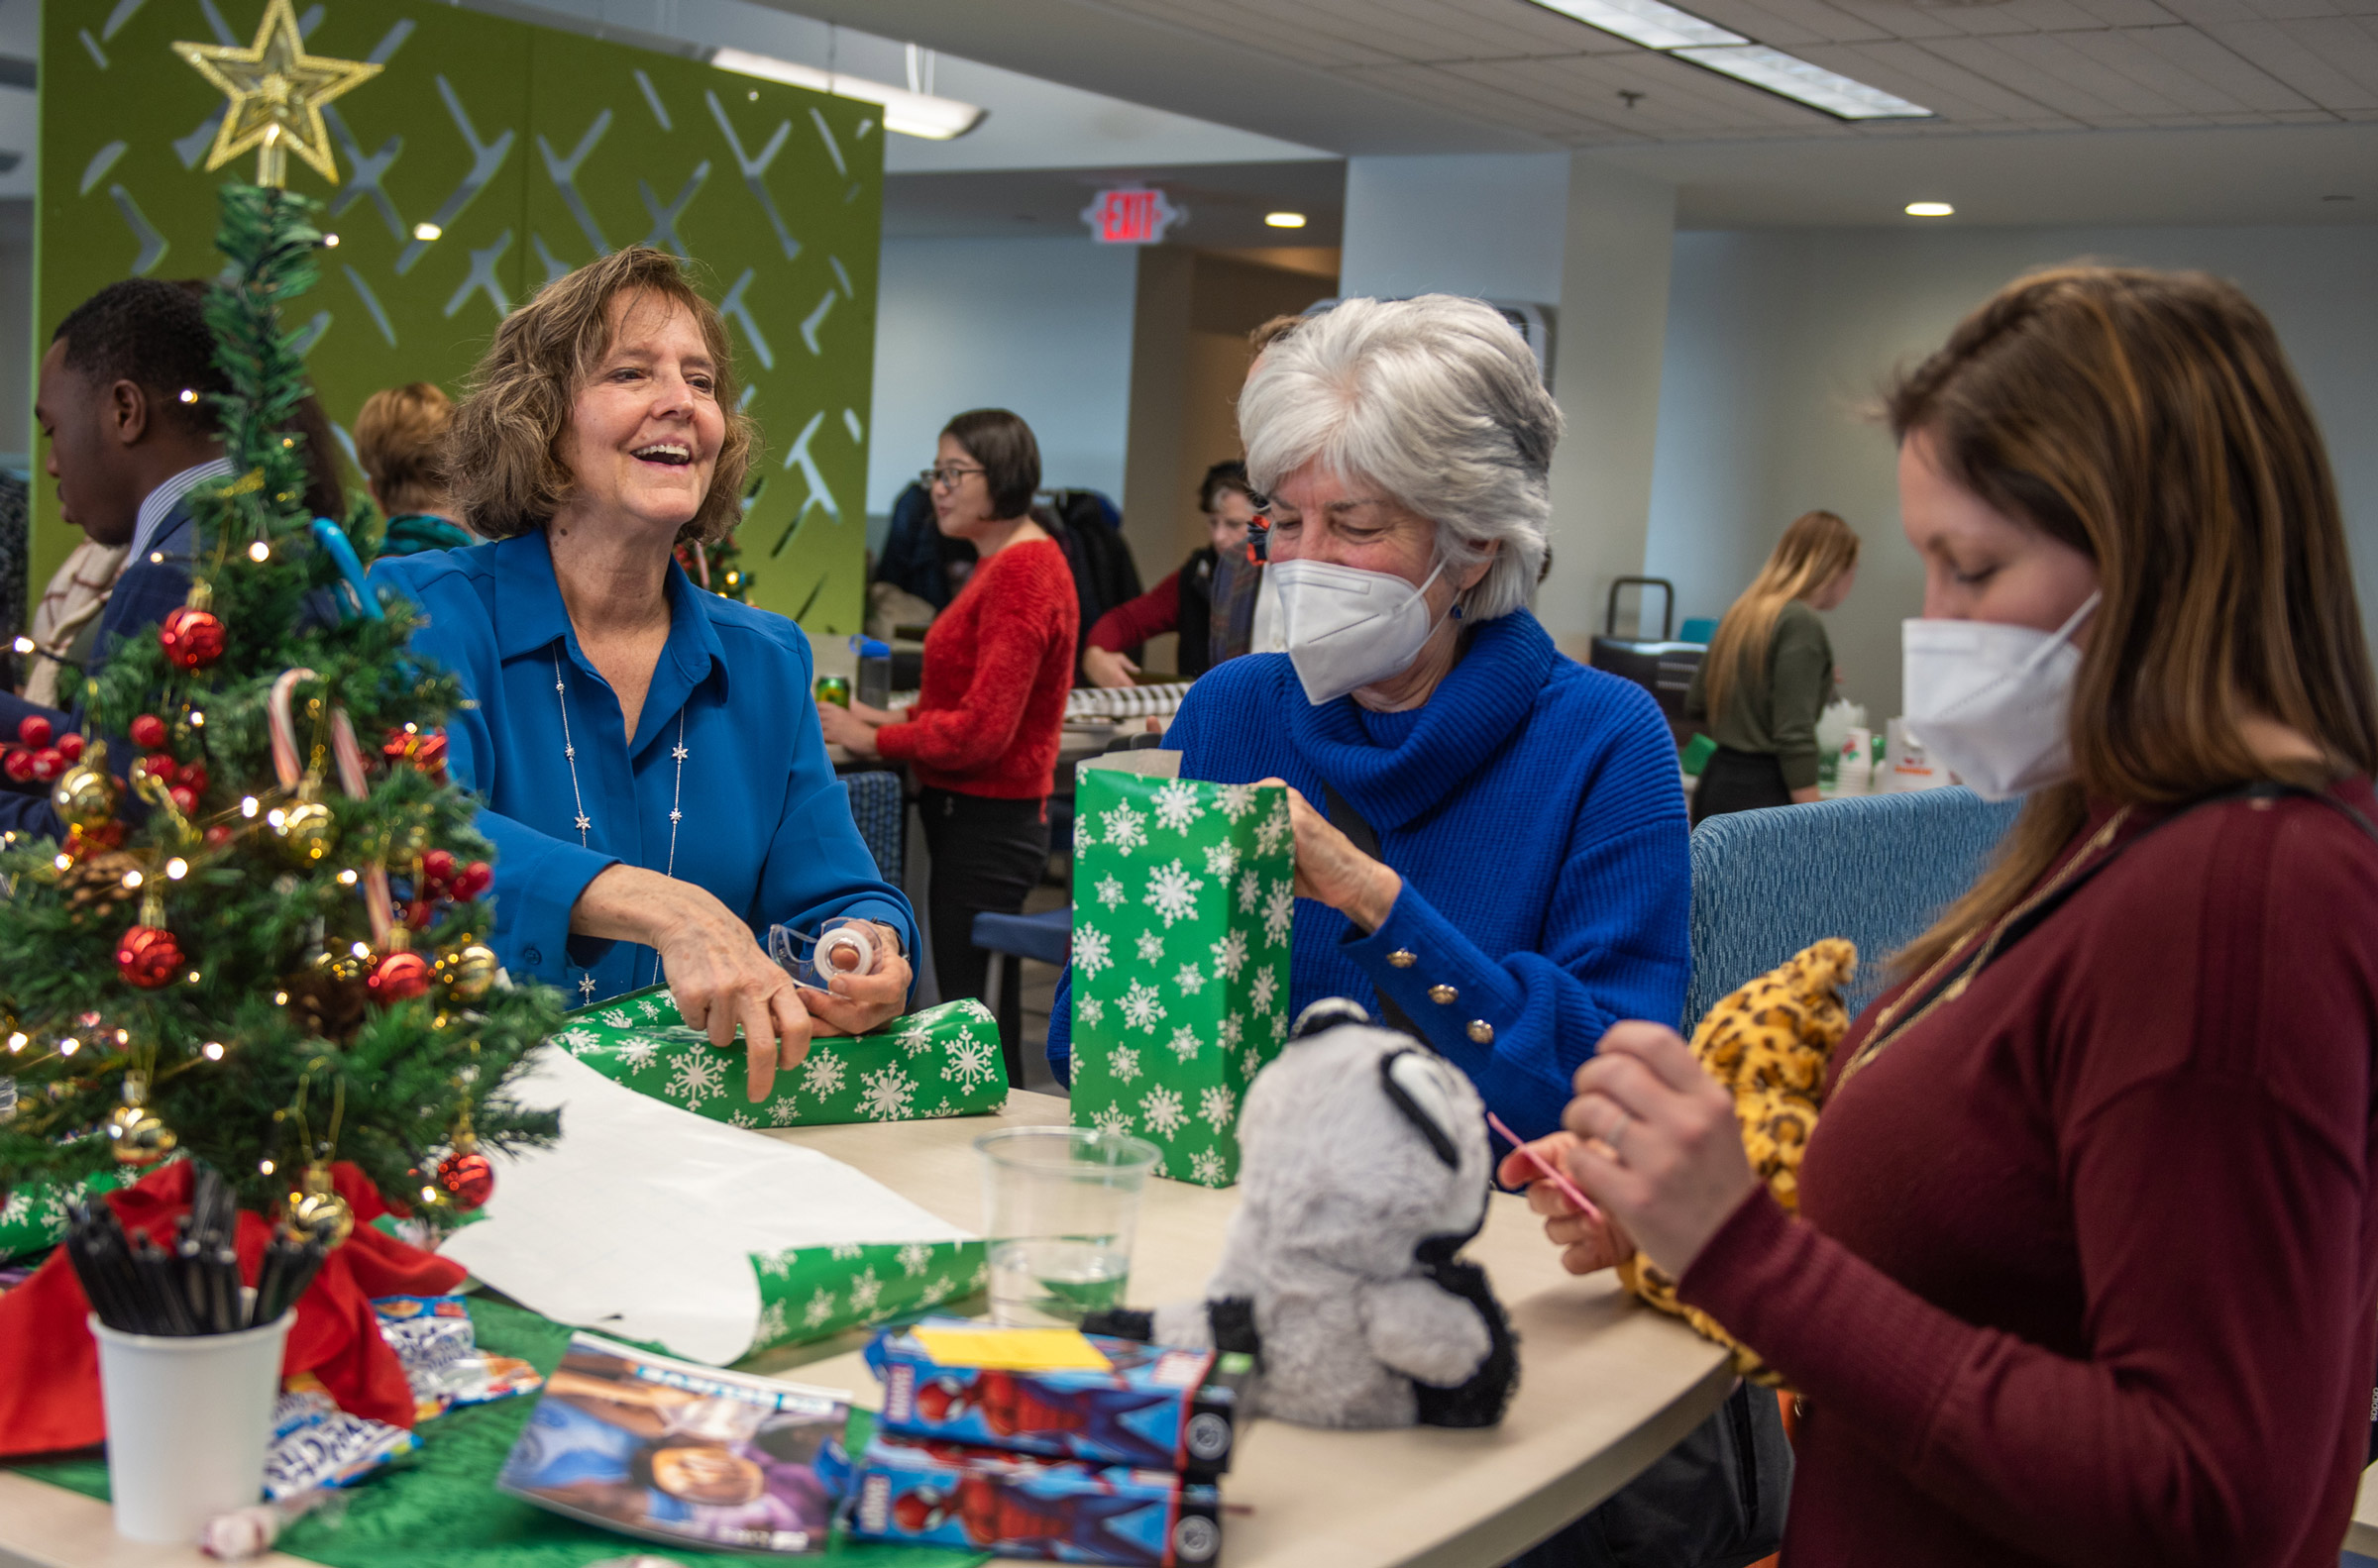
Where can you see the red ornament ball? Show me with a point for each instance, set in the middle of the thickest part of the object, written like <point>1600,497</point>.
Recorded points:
<point>194,776</point>
<point>162,768</point>
<point>217,836</point>
<point>474,880</point>
<point>34,731</point>
<point>48,763</point>
<point>185,800</point>
<point>438,864</point>
<point>400,977</point>
<point>18,764</point>
<point>148,956</point>
<point>149,732</point>
<point>467,1177</point>
<point>71,747</point>
<point>191,638</point>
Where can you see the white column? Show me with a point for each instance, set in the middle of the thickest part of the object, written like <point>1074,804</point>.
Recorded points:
<point>1607,347</point>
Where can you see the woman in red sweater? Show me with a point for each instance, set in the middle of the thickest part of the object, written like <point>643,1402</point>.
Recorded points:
<point>997,663</point>
<point>2086,1269</point>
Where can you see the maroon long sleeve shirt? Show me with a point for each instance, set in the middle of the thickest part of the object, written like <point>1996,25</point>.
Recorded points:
<point>2087,1271</point>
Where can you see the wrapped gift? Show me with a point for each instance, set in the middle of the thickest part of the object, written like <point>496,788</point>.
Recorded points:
<point>1183,897</point>
<point>942,1062</point>
<point>33,1214</point>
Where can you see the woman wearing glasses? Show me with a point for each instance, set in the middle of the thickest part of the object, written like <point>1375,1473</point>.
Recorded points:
<point>997,663</point>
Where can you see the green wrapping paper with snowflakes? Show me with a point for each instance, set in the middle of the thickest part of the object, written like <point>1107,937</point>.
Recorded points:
<point>1183,897</point>
<point>33,1214</point>
<point>941,1062</point>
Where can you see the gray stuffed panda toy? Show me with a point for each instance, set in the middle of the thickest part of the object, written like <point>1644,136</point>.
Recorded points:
<point>1364,1169</point>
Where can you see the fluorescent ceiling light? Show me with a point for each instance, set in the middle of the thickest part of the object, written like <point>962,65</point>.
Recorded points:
<point>1645,21</point>
<point>1285,220</point>
<point>1792,77</point>
<point>1930,209</point>
<point>909,113</point>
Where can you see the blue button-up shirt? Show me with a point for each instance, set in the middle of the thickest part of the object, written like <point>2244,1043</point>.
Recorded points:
<point>763,823</point>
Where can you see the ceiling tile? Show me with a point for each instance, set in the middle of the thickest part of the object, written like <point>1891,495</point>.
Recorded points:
<point>1959,96</point>
<point>2332,61</point>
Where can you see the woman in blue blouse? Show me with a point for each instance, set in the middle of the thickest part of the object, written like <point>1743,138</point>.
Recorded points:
<point>654,778</point>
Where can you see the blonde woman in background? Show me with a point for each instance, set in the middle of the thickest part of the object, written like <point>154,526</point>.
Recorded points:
<point>1769,673</point>
<point>400,442</point>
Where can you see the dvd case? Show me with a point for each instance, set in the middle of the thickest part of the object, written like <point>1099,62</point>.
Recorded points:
<point>1016,1504</point>
<point>683,1454</point>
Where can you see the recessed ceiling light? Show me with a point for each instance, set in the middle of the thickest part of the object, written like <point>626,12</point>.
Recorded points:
<point>909,113</point>
<point>1285,220</point>
<point>426,232</point>
<point>1930,209</point>
<point>1645,21</point>
<point>1790,76</point>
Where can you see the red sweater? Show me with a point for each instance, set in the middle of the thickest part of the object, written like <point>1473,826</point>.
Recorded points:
<point>998,663</point>
<point>2088,1271</point>
<point>1134,621</point>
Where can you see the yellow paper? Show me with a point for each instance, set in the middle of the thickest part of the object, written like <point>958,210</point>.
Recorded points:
<point>1013,1349</point>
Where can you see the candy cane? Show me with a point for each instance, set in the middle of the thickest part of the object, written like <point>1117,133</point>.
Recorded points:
<point>377,901</point>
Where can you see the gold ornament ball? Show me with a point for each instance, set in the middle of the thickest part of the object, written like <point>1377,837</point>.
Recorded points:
<point>308,830</point>
<point>469,972</point>
<point>318,1212</point>
<point>85,796</point>
<point>139,1136</point>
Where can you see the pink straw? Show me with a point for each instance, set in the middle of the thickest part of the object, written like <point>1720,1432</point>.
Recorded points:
<point>1560,1184</point>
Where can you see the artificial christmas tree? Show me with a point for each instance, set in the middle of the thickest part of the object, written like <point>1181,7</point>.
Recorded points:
<point>259,944</point>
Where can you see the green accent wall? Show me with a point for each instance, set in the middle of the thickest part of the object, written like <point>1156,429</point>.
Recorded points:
<point>532,150</point>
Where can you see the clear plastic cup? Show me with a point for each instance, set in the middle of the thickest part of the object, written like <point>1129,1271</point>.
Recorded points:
<point>1059,1208</point>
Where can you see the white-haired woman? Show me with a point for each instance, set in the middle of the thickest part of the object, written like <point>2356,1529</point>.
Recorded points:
<point>1491,838</point>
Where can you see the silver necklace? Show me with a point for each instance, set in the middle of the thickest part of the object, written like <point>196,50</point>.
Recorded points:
<point>582,822</point>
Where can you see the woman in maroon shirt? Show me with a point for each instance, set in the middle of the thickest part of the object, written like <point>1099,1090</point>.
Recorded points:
<point>2086,1265</point>
<point>983,736</point>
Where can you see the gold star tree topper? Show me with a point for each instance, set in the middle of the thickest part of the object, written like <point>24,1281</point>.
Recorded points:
<point>277,92</point>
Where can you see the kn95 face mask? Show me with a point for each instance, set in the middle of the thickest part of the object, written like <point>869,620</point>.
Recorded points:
<point>1993,700</point>
<point>1347,628</point>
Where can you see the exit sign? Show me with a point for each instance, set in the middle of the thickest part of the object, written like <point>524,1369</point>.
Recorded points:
<point>1131,216</point>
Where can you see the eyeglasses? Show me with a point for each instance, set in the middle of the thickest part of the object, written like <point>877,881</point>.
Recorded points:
<point>948,479</point>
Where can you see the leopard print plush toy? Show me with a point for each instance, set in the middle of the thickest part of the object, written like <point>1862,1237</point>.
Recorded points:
<point>1769,1043</point>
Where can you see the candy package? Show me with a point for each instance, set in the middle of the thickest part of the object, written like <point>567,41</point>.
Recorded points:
<point>437,1345</point>
<point>1148,1405</point>
<point>317,1445</point>
<point>1016,1504</point>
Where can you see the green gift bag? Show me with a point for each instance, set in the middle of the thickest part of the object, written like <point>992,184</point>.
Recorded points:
<point>1183,897</point>
<point>942,1062</point>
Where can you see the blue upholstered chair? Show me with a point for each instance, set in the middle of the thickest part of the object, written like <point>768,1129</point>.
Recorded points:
<point>881,816</point>
<point>1876,869</point>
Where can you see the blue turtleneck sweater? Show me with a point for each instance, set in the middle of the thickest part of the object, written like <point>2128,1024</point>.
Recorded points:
<point>1531,807</point>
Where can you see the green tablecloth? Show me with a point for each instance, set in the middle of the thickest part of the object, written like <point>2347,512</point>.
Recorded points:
<point>438,1507</point>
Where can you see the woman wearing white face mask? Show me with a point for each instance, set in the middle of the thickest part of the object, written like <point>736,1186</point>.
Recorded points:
<point>2091,1186</point>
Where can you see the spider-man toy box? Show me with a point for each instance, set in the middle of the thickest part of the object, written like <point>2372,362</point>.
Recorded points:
<point>1014,1505</point>
<point>1153,1406</point>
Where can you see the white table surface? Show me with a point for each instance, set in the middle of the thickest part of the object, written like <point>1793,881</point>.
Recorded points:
<point>1605,1388</point>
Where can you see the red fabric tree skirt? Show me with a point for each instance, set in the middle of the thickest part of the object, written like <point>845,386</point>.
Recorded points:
<point>49,1362</point>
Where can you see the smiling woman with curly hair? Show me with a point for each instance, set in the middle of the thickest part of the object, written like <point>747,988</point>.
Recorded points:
<point>654,783</point>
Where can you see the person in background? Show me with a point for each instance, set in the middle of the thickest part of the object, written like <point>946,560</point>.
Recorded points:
<point>1244,613</point>
<point>1182,603</point>
<point>1769,673</point>
<point>612,704</point>
<point>2088,1246</point>
<point>123,401</point>
<point>998,663</point>
<point>400,442</point>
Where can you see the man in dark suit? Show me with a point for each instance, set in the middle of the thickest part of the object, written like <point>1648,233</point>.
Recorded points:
<point>124,403</point>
